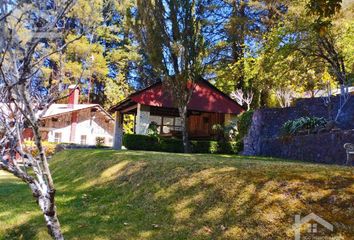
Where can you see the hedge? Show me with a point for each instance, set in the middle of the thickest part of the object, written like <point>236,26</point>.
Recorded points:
<point>151,143</point>
<point>140,142</point>
<point>169,145</point>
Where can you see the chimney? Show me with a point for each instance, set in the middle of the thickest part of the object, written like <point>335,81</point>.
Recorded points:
<point>74,92</point>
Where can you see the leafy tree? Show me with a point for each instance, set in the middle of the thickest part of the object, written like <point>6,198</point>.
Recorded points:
<point>324,8</point>
<point>244,27</point>
<point>171,34</point>
<point>106,59</point>
<point>343,23</point>
<point>295,60</point>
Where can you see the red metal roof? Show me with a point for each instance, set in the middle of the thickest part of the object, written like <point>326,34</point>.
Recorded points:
<point>206,98</point>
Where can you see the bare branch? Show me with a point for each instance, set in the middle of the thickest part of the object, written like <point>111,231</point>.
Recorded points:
<point>243,98</point>
<point>22,98</point>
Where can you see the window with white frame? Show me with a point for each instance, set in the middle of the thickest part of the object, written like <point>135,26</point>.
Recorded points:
<point>83,140</point>
<point>57,137</point>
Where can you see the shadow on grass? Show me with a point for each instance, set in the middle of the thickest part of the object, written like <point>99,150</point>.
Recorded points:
<point>140,195</point>
<point>27,230</point>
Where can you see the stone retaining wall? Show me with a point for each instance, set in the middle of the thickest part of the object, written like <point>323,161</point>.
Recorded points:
<point>320,148</point>
<point>264,138</point>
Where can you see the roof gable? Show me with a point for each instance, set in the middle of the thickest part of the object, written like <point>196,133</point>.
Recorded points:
<point>205,98</point>
<point>59,109</point>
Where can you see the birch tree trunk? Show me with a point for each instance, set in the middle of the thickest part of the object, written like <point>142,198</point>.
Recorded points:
<point>47,205</point>
<point>46,200</point>
<point>27,94</point>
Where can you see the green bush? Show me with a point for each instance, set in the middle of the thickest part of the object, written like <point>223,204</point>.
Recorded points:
<point>216,147</point>
<point>204,146</point>
<point>100,141</point>
<point>152,129</point>
<point>225,132</point>
<point>151,143</point>
<point>238,146</point>
<point>292,127</point>
<point>244,121</point>
<point>170,145</point>
<point>140,142</point>
<point>230,147</point>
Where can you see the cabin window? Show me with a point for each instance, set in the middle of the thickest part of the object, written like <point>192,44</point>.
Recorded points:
<point>57,137</point>
<point>167,124</point>
<point>156,119</point>
<point>178,122</point>
<point>177,125</point>
<point>83,140</point>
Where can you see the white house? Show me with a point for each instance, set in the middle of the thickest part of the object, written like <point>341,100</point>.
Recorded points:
<point>77,123</point>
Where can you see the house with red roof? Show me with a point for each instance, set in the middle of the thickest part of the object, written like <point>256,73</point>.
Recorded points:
<point>208,106</point>
<point>77,123</point>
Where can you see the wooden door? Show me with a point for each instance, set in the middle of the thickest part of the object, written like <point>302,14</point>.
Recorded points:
<point>199,125</point>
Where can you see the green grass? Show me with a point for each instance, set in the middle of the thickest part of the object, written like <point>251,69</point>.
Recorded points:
<point>104,194</point>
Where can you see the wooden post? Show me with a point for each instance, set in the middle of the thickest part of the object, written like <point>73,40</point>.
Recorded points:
<point>118,131</point>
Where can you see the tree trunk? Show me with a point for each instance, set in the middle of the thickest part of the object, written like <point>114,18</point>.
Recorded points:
<point>238,40</point>
<point>53,225</point>
<point>46,193</point>
<point>184,120</point>
<point>46,203</point>
<point>264,97</point>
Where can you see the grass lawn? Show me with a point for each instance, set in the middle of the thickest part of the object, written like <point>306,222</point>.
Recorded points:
<point>105,194</point>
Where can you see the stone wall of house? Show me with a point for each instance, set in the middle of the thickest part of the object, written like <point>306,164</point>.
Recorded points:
<point>142,119</point>
<point>264,135</point>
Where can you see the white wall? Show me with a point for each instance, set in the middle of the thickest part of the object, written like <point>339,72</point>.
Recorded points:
<point>91,127</point>
<point>65,134</point>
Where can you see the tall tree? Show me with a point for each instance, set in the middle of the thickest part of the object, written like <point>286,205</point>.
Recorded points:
<point>244,25</point>
<point>107,60</point>
<point>313,34</point>
<point>171,34</point>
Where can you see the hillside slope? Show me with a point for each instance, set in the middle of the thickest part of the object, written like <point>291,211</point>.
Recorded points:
<point>104,194</point>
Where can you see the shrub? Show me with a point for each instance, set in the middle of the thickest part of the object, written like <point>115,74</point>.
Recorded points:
<point>49,148</point>
<point>140,142</point>
<point>170,145</point>
<point>151,143</point>
<point>220,132</point>
<point>244,121</point>
<point>152,129</point>
<point>237,146</point>
<point>100,141</point>
<point>292,127</point>
<point>229,147</point>
<point>216,147</point>
<point>204,146</point>
<point>225,132</point>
